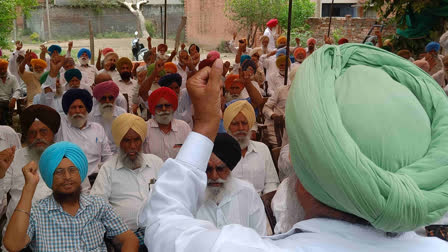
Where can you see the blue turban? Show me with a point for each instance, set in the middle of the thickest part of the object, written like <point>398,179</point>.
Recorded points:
<point>280,52</point>
<point>244,57</point>
<point>168,79</point>
<point>84,50</point>
<point>432,46</point>
<point>247,64</point>
<point>72,73</point>
<point>76,93</point>
<point>53,156</point>
<point>53,48</point>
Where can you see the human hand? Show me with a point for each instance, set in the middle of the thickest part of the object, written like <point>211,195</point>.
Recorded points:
<point>55,65</point>
<point>28,57</point>
<point>159,66</point>
<point>272,53</point>
<point>31,175</point>
<point>204,89</point>
<point>234,36</point>
<point>43,49</point>
<point>148,39</point>
<point>12,103</point>
<point>100,52</point>
<point>19,45</point>
<point>277,118</point>
<point>6,158</point>
<point>173,53</point>
<point>182,46</point>
<point>378,33</point>
<point>328,40</point>
<point>70,45</point>
<point>298,42</point>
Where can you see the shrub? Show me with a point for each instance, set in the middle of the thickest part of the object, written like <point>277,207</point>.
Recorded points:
<point>150,28</point>
<point>35,37</point>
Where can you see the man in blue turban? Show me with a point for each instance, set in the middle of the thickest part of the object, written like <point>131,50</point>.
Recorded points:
<point>433,57</point>
<point>89,72</point>
<point>67,219</point>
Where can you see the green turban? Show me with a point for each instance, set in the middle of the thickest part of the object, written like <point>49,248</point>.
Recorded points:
<point>368,136</point>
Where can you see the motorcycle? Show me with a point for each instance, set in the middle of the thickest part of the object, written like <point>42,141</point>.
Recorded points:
<point>138,49</point>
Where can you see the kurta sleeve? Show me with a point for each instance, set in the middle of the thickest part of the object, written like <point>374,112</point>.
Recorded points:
<point>103,184</point>
<point>268,108</point>
<point>271,179</point>
<point>257,218</point>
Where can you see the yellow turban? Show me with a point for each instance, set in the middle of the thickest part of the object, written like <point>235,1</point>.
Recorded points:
<point>281,40</point>
<point>282,59</point>
<point>39,62</point>
<point>3,63</point>
<point>124,122</point>
<point>233,109</point>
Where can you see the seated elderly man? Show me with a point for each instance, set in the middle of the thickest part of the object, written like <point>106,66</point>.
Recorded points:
<point>76,128</point>
<point>66,220</point>
<point>165,134</point>
<point>105,110</point>
<point>126,178</point>
<point>110,66</point>
<point>274,113</point>
<point>241,87</point>
<point>256,165</point>
<point>229,200</point>
<point>9,93</point>
<point>120,100</point>
<point>366,197</point>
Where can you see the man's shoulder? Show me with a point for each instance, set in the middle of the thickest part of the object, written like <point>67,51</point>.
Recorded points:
<point>152,159</point>
<point>259,146</point>
<point>181,124</point>
<point>119,110</point>
<point>243,186</point>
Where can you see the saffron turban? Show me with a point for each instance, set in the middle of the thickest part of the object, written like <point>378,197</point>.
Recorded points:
<point>3,63</point>
<point>232,79</point>
<point>107,50</point>
<point>374,126</point>
<point>170,67</point>
<point>70,74</point>
<point>281,59</point>
<point>280,52</point>
<point>124,122</point>
<point>299,52</point>
<point>249,63</point>
<point>281,40</point>
<point>272,23</point>
<point>227,149</point>
<point>165,93</point>
<point>432,46</point>
<point>45,114</point>
<point>403,53</point>
<point>38,62</point>
<point>213,55</point>
<point>74,94</point>
<point>53,155</point>
<point>311,41</point>
<point>233,109</point>
<point>168,79</point>
<point>124,61</point>
<point>151,69</point>
<point>105,87</point>
<point>53,48</point>
<point>342,41</point>
<point>244,57</point>
<point>84,50</point>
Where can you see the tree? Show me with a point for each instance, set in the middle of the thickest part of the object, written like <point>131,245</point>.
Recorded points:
<point>134,6</point>
<point>8,14</point>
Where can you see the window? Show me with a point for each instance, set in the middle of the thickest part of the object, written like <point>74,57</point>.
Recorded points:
<point>339,10</point>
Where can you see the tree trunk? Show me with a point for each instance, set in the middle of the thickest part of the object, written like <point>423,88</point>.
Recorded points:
<point>141,27</point>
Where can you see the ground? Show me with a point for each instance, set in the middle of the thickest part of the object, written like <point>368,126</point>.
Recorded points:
<point>122,46</point>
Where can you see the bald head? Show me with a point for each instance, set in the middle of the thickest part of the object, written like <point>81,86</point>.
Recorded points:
<point>102,77</point>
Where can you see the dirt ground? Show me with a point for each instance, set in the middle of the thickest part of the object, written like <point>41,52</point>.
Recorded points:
<point>122,46</point>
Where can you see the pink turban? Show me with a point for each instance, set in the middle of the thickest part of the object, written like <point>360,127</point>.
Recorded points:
<point>165,93</point>
<point>311,40</point>
<point>105,87</point>
<point>212,55</point>
<point>107,50</point>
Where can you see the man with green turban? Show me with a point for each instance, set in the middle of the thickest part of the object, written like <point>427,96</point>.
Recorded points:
<point>368,141</point>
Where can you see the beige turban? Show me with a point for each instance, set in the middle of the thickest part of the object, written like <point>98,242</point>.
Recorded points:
<point>242,106</point>
<point>124,122</point>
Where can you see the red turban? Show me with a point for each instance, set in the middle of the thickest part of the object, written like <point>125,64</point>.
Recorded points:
<point>206,62</point>
<point>342,41</point>
<point>105,87</point>
<point>231,78</point>
<point>299,51</point>
<point>213,55</point>
<point>170,67</point>
<point>107,50</point>
<point>33,55</point>
<point>165,93</point>
<point>272,23</point>
<point>311,40</point>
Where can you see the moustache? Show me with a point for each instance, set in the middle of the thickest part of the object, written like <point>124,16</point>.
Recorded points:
<point>79,116</point>
<point>220,181</point>
<point>39,141</point>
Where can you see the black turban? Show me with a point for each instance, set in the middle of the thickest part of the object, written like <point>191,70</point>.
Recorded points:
<point>45,114</point>
<point>227,149</point>
<point>249,63</point>
<point>76,93</point>
<point>72,73</point>
<point>168,79</point>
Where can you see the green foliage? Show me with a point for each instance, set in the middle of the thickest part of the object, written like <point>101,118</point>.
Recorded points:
<point>35,37</point>
<point>114,34</point>
<point>301,11</point>
<point>95,3</point>
<point>150,28</point>
<point>223,47</point>
<point>7,15</point>
<point>303,33</point>
<point>338,33</point>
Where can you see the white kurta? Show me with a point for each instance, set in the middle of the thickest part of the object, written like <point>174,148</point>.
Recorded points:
<point>257,168</point>
<point>89,73</point>
<point>184,74</point>
<point>181,185</point>
<point>184,109</point>
<point>240,204</point>
<point>128,88</point>
<point>92,139</point>
<point>276,81</point>
<point>125,189</point>
<point>165,145</point>
<point>271,35</point>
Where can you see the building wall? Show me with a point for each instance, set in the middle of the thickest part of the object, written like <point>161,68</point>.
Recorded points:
<point>67,21</point>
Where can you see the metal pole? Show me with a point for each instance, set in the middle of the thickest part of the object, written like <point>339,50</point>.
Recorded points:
<point>48,19</point>
<point>164,24</point>
<point>287,43</point>
<point>161,22</point>
<point>92,43</point>
<point>331,16</point>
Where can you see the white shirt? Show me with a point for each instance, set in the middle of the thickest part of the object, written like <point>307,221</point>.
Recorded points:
<point>275,81</point>
<point>10,88</point>
<point>113,74</point>
<point>125,189</point>
<point>165,145</point>
<point>240,204</point>
<point>257,168</point>
<point>184,74</point>
<point>127,88</point>
<point>272,40</point>
<point>184,109</point>
<point>284,163</point>
<point>181,184</point>
<point>92,139</point>
<point>441,78</point>
<point>89,73</point>
<point>95,116</point>
<point>276,104</point>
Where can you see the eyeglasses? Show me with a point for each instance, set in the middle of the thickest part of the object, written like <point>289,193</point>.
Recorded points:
<point>42,132</point>
<point>60,172</point>
<point>219,169</point>
<point>105,98</point>
<point>160,106</point>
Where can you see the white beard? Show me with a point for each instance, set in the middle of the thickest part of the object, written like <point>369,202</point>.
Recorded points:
<point>163,118</point>
<point>107,111</point>
<point>83,61</point>
<point>129,163</point>
<point>77,120</point>
<point>243,141</point>
<point>230,97</point>
<point>216,194</point>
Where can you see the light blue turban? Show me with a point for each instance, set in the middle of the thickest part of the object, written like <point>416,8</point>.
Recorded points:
<point>244,57</point>
<point>280,52</point>
<point>53,156</point>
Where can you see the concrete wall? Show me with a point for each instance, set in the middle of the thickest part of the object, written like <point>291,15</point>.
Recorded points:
<point>67,21</point>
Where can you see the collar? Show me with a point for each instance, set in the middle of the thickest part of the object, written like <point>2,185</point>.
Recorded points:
<point>84,201</point>
<point>251,147</point>
<point>154,124</point>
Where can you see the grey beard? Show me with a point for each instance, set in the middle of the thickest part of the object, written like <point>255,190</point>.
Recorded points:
<point>107,111</point>
<point>216,194</point>
<point>243,141</point>
<point>77,120</point>
<point>83,61</point>
<point>163,118</point>
<point>230,97</point>
<point>128,162</point>
<point>36,152</point>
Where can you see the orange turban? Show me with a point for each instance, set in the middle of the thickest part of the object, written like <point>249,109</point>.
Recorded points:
<point>3,63</point>
<point>38,62</point>
<point>281,40</point>
<point>231,79</point>
<point>165,93</point>
<point>170,67</point>
<point>299,51</point>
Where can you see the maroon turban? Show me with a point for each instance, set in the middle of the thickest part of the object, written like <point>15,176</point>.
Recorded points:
<point>165,93</point>
<point>105,87</point>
